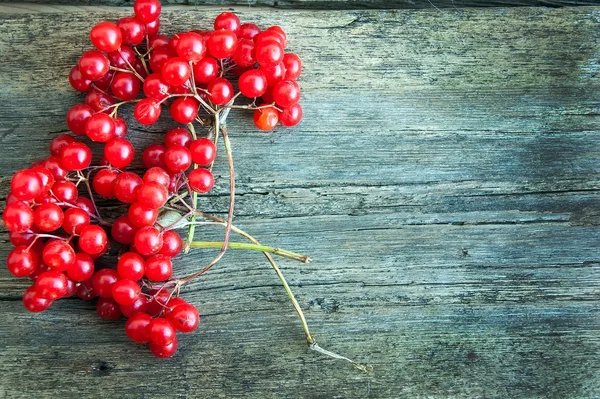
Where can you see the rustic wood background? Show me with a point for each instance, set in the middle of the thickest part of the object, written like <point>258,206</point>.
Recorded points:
<point>445,179</point>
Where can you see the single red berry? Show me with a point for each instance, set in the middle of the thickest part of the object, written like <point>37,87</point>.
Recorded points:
<point>269,36</point>
<point>120,127</point>
<point>122,58</point>
<point>172,244</point>
<point>133,31</point>
<point>159,41</point>
<point>45,176</point>
<point>147,10</point>
<point>119,152</point>
<point>201,180</point>
<point>147,111</point>
<point>51,285</point>
<point>159,268</point>
<point>103,281</point>
<point>279,30</point>
<point>161,331</point>
<point>108,309</point>
<point>125,292</point>
<point>65,191</point>
<point>274,73</point>
<point>54,165</point>
<point>48,217</point>
<point>148,240</point>
<point>58,255</point>
<point>98,100</point>
<point>100,127</point>
<point>152,195</point>
<point>22,261</point>
<point>291,116</point>
<point>191,46</point>
<point>155,87</point>
<point>93,65</point>
<point>154,156</point>
<point>122,230</point>
<point>220,91</point>
<point>138,306</point>
<point>18,217</point>
<point>136,327</point>
<point>82,269</point>
<point>248,31</point>
<point>76,156</point>
<point>106,36</point>
<point>77,81</point>
<point>25,238</point>
<point>131,266</point>
<point>184,110</point>
<point>93,239</point>
<point>178,158</point>
<point>75,219</point>
<point>222,43</point>
<point>228,21</point>
<point>125,86</point>
<point>71,288</point>
<point>293,66</point>
<point>176,71</point>
<point>158,175</point>
<point>26,185</point>
<point>286,93</point>
<point>153,27</point>
<point>245,54</point>
<point>205,70</point>
<point>269,53</point>
<point>104,182</point>
<point>77,117</point>
<point>33,302</point>
<point>253,83</point>
<point>164,352</point>
<point>141,216</point>
<point>266,118</point>
<point>127,186</point>
<point>178,136</point>
<point>203,151</point>
<point>184,317</point>
<point>85,291</point>
<point>159,57</point>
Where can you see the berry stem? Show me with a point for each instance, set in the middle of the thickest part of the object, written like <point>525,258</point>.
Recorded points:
<point>251,247</point>
<point>194,196</point>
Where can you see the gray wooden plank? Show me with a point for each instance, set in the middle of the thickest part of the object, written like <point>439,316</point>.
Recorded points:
<point>445,180</point>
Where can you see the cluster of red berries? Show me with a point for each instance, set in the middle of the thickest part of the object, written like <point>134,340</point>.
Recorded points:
<point>58,232</point>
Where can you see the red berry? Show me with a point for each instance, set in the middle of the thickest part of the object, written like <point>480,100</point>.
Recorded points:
<point>178,136</point>
<point>22,261</point>
<point>176,71</point>
<point>153,27</point>
<point>136,327</point>
<point>75,219</point>
<point>122,58</point>
<point>93,65</point>
<point>155,87</point>
<point>159,56</point>
<point>152,195</point>
<point>245,54</point>
<point>76,156</point>
<point>54,165</point>
<point>201,180</point>
<point>120,127</point>
<point>228,21</point>
<point>106,36</point>
<point>100,127</point>
<point>286,93</point>
<point>45,176</point>
<point>191,46</point>
<point>65,191</point>
<point>125,292</point>
<point>104,182</point>
<point>77,117</point>
<point>172,244</point>
<point>253,83</point>
<point>93,239</point>
<point>157,175</point>
<point>269,36</point>
<point>248,31</point>
<point>158,268</point>
<point>184,110</point>
<point>293,66</point>
<point>147,111</point>
<point>164,352</point>
<point>131,266</point>
<point>159,41</point>
<point>33,302</point>
<point>58,255</point>
<point>206,70</point>
<point>141,216</point>
<point>220,90</point>
<point>269,53</point>
<point>125,86</point>
<point>108,309</point>
<point>48,217</point>
<point>274,73</point>
<point>161,331</point>
<point>82,269</point>
<point>178,158</point>
<point>99,101</point>
<point>203,151</point>
<point>222,43</point>
<point>51,285</point>
<point>266,118</point>
<point>127,186</point>
<point>25,238</point>
<point>148,240</point>
<point>139,305</point>
<point>147,10</point>
<point>133,30</point>
<point>154,156</point>
<point>279,31</point>
<point>18,217</point>
<point>291,116</point>
<point>77,81</point>
<point>122,230</point>
<point>103,281</point>
<point>85,291</point>
<point>185,317</point>
<point>26,185</point>
<point>119,152</point>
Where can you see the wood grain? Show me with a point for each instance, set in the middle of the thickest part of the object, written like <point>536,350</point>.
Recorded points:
<point>445,181</point>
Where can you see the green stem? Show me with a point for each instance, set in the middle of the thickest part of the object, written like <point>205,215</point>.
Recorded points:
<point>251,247</point>
<point>192,227</point>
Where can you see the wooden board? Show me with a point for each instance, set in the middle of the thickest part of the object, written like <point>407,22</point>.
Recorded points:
<point>445,180</point>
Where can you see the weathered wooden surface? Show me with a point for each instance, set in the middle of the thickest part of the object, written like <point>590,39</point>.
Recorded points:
<point>333,4</point>
<point>445,180</point>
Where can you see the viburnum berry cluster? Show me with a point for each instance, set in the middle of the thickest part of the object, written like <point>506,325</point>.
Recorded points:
<point>53,212</point>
